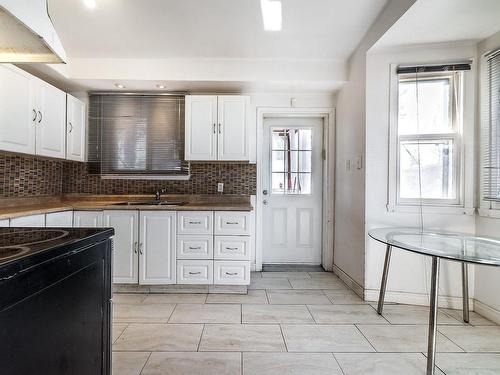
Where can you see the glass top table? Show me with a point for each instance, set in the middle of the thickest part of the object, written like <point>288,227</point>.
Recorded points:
<point>454,246</point>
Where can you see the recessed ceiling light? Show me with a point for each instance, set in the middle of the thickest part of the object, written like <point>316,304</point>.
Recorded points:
<point>119,85</point>
<point>90,3</point>
<point>161,86</point>
<point>271,14</point>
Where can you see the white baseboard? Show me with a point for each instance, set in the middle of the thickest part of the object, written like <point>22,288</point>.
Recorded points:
<point>416,299</point>
<point>487,311</point>
<point>351,283</point>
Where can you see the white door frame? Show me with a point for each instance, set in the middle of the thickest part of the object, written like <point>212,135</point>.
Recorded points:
<point>328,116</point>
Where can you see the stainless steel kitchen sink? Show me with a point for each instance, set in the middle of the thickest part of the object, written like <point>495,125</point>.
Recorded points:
<point>151,203</point>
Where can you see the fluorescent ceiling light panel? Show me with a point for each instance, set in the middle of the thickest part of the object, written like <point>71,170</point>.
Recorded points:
<point>271,14</point>
<point>90,3</point>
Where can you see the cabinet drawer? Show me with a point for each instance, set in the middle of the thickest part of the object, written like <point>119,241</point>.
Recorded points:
<point>232,272</point>
<point>195,247</point>
<point>233,223</point>
<point>195,222</point>
<point>232,248</point>
<point>195,272</point>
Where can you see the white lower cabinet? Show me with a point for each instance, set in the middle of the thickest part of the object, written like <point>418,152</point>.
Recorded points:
<point>232,248</point>
<point>62,219</point>
<point>125,244</point>
<point>157,247</point>
<point>232,272</point>
<point>87,219</point>
<point>195,247</point>
<point>28,221</point>
<point>195,272</point>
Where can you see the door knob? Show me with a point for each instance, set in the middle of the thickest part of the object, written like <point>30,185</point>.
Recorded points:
<point>264,192</point>
<point>264,202</point>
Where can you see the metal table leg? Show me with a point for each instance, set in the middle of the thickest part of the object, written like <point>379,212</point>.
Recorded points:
<point>465,292</point>
<point>431,345</point>
<point>383,283</point>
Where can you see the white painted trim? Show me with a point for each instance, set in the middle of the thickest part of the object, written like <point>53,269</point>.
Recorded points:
<point>487,311</point>
<point>489,212</point>
<point>418,299</point>
<point>328,114</point>
<point>349,281</point>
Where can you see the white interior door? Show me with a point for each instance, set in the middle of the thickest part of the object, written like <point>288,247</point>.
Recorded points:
<point>292,181</point>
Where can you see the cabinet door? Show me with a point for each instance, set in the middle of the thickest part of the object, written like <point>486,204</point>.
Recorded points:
<point>125,243</point>
<point>59,219</point>
<point>233,127</point>
<point>4,223</point>
<point>157,247</point>
<point>51,123</point>
<point>201,127</point>
<point>87,219</point>
<point>75,129</point>
<point>17,110</point>
<point>28,221</point>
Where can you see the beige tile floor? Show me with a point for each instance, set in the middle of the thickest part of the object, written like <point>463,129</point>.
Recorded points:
<point>306,323</point>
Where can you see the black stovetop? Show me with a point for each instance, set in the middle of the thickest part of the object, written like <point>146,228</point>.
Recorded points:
<point>20,243</point>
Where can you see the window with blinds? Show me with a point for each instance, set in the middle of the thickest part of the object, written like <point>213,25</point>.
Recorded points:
<point>491,152</point>
<point>138,136</point>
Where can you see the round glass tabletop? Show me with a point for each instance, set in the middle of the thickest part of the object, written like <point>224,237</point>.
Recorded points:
<point>449,245</point>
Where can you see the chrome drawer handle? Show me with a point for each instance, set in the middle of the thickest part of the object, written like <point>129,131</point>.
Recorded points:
<point>231,273</point>
<point>231,248</point>
<point>231,222</point>
<point>194,248</point>
<point>195,222</point>
<point>194,273</point>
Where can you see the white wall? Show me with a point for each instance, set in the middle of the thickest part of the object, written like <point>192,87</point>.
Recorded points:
<point>409,276</point>
<point>349,253</point>
<point>488,278</point>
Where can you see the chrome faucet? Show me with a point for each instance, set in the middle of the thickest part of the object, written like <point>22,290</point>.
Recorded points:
<point>158,194</point>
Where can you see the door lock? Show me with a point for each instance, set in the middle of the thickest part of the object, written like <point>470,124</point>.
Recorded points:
<point>264,202</point>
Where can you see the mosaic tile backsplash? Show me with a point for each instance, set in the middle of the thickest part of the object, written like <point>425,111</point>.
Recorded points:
<point>31,176</point>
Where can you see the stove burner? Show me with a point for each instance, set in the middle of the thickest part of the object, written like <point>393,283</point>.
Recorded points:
<point>28,237</point>
<point>12,251</point>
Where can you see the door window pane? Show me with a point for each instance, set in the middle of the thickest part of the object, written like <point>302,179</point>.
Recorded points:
<point>434,106</point>
<point>291,157</point>
<point>436,169</point>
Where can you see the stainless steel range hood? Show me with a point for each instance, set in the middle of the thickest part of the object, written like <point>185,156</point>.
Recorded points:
<point>27,34</point>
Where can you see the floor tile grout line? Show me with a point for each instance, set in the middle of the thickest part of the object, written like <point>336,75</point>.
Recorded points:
<point>241,363</point>
<point>338,363</point>
<point>465,351</point>
<point>201,337</point>
<point>120,335</point>
<point>366,338</point>
<point>171,313</point>
<point>310,313</point>
<point>145,363</point>
<point>267,296</point>
<point>382,315</point>
<point>283,337</point>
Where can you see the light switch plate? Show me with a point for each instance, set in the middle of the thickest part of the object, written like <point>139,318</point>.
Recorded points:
<point>220,187</point>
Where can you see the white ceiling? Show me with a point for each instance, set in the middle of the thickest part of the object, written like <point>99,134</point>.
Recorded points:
<point>209,45</point>
<point>312,29</point>
<point>441,21</point>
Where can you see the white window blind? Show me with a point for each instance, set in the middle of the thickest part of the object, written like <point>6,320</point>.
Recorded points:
<point>491,140</point>
<point>138,135</point>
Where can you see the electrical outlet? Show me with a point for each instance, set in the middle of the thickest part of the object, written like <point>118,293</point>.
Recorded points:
<point>220,187</point>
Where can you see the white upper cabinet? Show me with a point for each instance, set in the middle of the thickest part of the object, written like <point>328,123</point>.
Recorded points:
<point>18,112</point>
<point>75,129</point>
<point>32,114</point>
<point>157,247</point>
<point>217,127</point>
<point>51,122</point>
<point>201,127</point>
<point>233,127</point>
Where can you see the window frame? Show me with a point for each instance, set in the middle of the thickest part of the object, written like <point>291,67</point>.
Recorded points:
<point>463,139</point>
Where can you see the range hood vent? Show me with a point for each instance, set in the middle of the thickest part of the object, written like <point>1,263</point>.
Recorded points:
<point>27,34</point>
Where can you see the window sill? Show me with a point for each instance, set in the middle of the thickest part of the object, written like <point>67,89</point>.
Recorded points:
<point>437,210</point>
<point>489,212</point>
<point>145,177</point>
